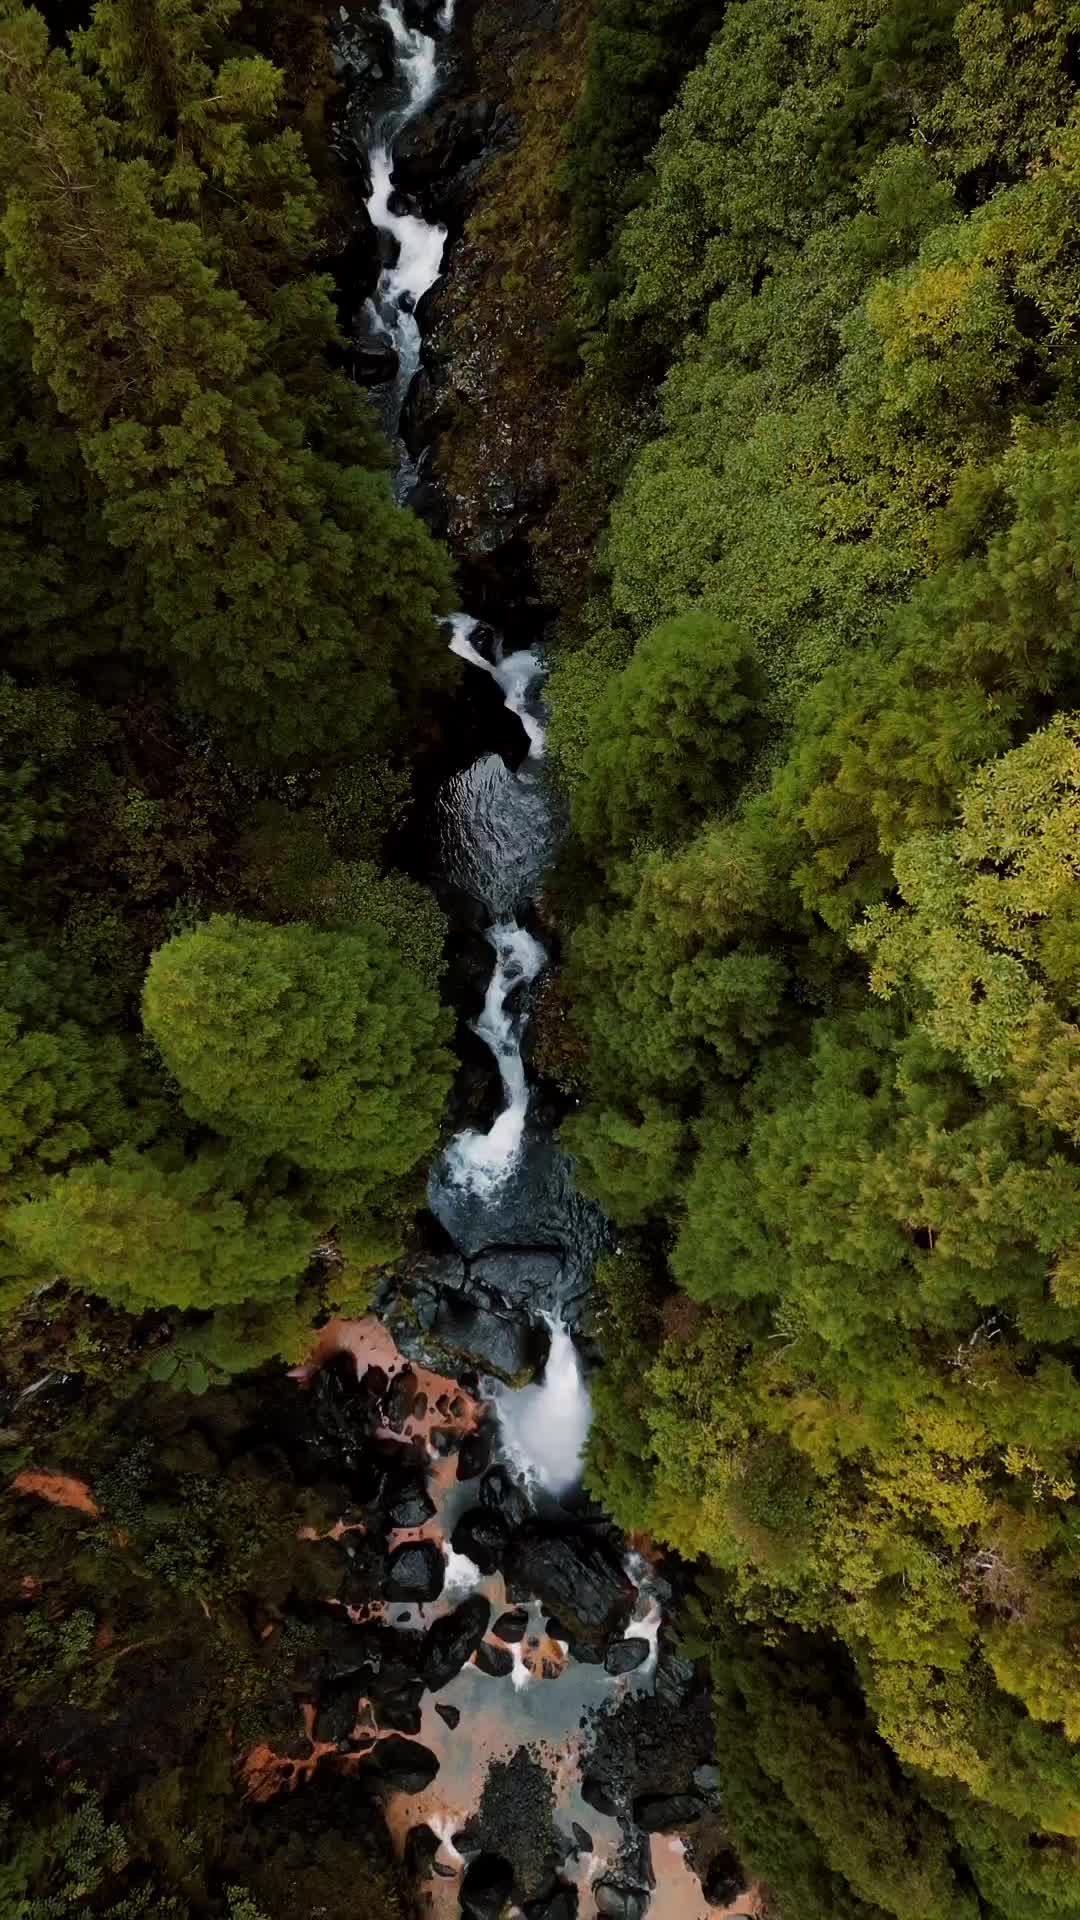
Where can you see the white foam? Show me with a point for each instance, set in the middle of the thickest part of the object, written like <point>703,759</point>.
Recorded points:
<point>444,1826</point>
<point>481,1160</point>
<point>515,674</point>
<point>416,59</point>
<point>520,1675</point>
<point>462,1574</point>
<point>420,243</point>
<point>545,1426</point>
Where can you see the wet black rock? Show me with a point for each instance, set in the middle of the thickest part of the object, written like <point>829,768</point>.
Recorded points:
<point>451,1715</point>
<point>578,1578</point>
<point>400,1766</point>
<point>344,1649</point>
<point>421,1846</point>
<point>415,1572</point>
<point>505,1344</point>
<point>336,1715</point>
<point>582,1651</point>
<point>511,1626</point>
<point>364,1578</point>
<point>709,1781</point>
<point>451,1641</point>
<point>402,1710</point>
<point>370,357</point>
<point>411,1503</point>
<point>562,1904</point>
<point>383,1663</point>
<point>338,1420</point>
<point>623,1656</point>
<point>399,1397</point>
<point>595,1794</point>
<point>425,413</point>
<point>474,1454</point>
<point>483,1537</point>
<point>675,1679</point>
<point>583,1839</point>
<point>617,1902</point>
<point>438,157</point>
<point>725,1880</point>
<point>519,1273</point>
<point>667,1812</point>
<point>496,1662</point>
<point>433,1271</point>
<point>504,1495</point>
<point>487,1888</point>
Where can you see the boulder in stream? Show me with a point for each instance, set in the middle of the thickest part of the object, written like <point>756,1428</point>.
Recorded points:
<point>504,1495</point>
<point>512,1626</point>
<point>336,1715</point>
<point>400,1766</point>
<point>415,1571</point>
<point>667,1812</point>
<point>574,1576</point>
<point>411,1503</point>
<point>451,1641</point>
<point>519,1273</point>
<point>496,1662</point>
<point>617,1902</point>
<point>506,1344</point>
<point>623,1656</point>
<point>487,1888</point>
<point>483,1538</point>
<point>474,1453</point>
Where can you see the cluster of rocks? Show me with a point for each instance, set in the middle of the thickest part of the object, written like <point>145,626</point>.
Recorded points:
<point>649,1752</point>
<point>446,1311</point>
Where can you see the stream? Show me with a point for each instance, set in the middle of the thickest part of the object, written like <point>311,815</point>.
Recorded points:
<point>563,1756</point>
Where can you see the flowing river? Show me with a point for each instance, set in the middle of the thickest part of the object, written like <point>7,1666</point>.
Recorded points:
<point>536,1696</point>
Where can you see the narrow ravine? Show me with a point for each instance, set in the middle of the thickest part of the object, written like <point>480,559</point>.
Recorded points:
<point>548,1669</point>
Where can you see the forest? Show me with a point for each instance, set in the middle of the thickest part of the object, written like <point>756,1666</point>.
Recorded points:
<point>816,711</point>
<point>220,648</point>
<point>819,717</point>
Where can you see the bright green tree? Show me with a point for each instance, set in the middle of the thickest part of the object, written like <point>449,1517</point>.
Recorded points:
<point>266,563</point>
<point>145,1235</point>
<point>326,1048</point>
<point>668,734</point>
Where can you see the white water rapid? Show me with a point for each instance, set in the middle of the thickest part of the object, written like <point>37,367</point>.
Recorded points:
<point>419,243</point>
<point>481,1160</point>
<point>545,1426</point>
<point>506,1198</point>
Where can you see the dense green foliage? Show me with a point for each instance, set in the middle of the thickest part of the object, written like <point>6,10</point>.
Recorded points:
<point>218,630</point>
<point>826,944</point>
<point>150,1644</point>
<point>222,1058</point>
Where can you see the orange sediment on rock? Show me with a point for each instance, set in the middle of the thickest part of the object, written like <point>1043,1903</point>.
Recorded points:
<point>678,1894</point>
<point>372,1345</point>
<point>62,1489</point>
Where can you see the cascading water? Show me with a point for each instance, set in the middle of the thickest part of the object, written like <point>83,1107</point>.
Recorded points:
<point>508,1187</point>
<point>545,1426</point>
<point>418,244</point>
<point>475,1159</point>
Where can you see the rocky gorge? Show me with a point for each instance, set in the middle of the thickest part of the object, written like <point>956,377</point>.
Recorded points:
<point>500,1669</point>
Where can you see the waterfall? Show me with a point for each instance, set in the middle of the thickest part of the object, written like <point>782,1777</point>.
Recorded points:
<point>545,1426</point>
<point>515,674</point>
<point>418,243</point>
<point>481,1159</point>
<point>507,1191</point>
